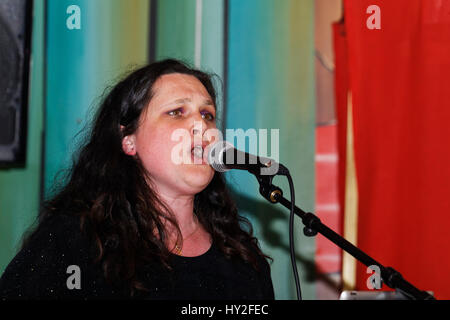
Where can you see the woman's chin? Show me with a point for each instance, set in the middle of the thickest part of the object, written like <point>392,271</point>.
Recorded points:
<point>198,176</point>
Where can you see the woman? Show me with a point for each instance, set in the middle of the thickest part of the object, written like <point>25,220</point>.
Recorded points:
<point>131,221</point>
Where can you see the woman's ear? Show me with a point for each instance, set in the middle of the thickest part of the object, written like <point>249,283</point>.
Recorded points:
<point>129,145</point>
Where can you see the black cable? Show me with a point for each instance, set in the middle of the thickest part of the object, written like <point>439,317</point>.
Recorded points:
<point>291,238</point>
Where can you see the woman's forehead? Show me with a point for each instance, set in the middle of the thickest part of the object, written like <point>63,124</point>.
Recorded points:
<point>179,88</point>
<point>177,83</point>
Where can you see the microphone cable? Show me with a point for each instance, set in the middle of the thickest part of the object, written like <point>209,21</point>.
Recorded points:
<point>291,238</point>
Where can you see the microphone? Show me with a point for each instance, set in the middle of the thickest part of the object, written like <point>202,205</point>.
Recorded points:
<point>223,156</point>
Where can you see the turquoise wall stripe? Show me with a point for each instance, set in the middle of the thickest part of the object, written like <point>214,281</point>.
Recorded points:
<point>81,63</point>
<point>212,56</point>
<point>19,188</point>
<point>176,30</point>
<point>271,86</point>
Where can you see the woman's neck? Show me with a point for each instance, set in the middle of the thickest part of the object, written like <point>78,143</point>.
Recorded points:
<point>183,209</point>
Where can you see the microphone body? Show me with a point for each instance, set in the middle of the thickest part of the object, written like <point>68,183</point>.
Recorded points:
<point>223,156</point>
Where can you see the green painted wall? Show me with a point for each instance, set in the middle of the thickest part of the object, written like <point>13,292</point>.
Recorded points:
<point>19,188</point>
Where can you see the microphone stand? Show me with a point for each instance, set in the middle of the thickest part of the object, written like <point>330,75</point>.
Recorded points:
<point>313,225</point>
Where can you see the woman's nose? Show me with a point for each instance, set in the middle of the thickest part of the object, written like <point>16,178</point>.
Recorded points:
<point>198,126</point>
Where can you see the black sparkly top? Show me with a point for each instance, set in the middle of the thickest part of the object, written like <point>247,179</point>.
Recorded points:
<point>58,264</point>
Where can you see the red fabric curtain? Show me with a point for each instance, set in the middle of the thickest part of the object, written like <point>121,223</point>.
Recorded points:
<point>399,77</point>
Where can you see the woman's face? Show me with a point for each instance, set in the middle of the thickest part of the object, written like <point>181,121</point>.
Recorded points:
<point>171,135</point>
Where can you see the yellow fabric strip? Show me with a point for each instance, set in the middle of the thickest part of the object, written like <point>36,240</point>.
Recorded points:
<point>351,204</point>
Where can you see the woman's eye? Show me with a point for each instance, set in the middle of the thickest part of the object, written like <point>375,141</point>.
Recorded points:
<point>208,116</point>
<point>175,113</point>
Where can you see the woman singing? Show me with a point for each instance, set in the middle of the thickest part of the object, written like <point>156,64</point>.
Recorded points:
<point>130,222</point>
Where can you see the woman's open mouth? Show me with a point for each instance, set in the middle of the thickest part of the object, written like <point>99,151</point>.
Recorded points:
<point>197,152</point>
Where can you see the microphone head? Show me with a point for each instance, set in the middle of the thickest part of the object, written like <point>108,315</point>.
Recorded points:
<point>216,155</point>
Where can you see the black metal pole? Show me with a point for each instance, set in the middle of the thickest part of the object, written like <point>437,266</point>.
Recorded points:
<point>313,225</point>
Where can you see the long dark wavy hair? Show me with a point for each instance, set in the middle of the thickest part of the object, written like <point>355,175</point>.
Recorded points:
<point>109,190</point>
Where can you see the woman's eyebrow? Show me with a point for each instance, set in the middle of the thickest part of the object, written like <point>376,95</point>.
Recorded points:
<point>206,102</point>
<point>179,101</point>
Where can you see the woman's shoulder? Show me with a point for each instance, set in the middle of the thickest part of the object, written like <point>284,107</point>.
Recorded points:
<point>250,277</point>
<point>253,245</point>
<point>60,232</point>
<point>40,268</point>
<point>263,271</point>
<point>252,257</point>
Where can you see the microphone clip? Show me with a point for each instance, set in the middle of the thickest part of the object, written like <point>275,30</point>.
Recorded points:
<point>269,191</point>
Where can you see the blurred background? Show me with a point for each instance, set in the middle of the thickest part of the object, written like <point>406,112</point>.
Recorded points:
<point>358,93</point>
